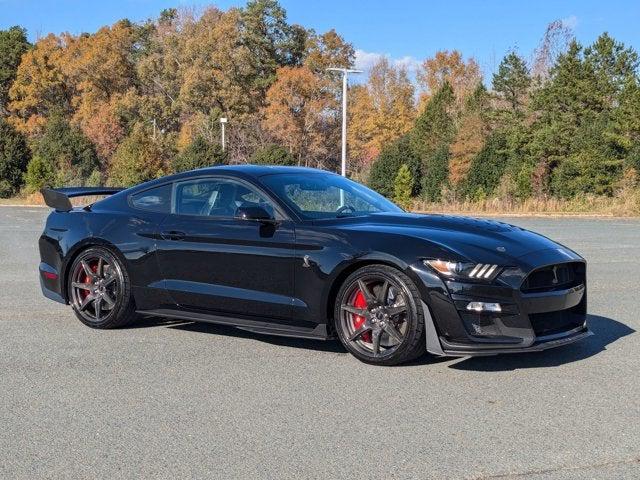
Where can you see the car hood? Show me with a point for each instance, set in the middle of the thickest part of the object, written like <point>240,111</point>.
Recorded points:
<point>474,239</point>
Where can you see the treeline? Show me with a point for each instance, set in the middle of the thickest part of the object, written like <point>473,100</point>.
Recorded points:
<point>568,128</point>
<point>135,101</point>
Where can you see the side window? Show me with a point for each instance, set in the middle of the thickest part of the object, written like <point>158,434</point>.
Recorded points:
<point>156,199</point>
<point>217,197</point>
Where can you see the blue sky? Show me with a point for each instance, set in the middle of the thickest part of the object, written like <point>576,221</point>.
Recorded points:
<point>405,30</point>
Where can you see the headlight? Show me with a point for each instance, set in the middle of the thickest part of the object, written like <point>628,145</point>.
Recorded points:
<point>474,271</point>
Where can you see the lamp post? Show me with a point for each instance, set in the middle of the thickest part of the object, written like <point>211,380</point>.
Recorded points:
<point>223,121</point>
<point>345,75</point>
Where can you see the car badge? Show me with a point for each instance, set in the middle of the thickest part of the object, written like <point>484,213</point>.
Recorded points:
<point>501,249</point>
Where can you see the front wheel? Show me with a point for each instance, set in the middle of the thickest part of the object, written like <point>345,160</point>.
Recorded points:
<point>100,290</point>
<point>378,316</point>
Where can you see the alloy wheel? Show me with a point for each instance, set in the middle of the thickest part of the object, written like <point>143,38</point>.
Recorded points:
<point>96,284</point>
<point>374,315</point>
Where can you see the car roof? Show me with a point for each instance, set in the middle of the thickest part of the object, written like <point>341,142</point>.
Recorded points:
<point>256,170</point>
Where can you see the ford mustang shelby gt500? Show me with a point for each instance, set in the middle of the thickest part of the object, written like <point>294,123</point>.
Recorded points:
<point>307,253</point>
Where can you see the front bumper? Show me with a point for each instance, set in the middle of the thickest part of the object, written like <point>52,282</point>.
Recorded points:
<point>530,320</point>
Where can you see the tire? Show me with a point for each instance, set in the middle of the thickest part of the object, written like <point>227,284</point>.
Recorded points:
<point>378,316</point>
<point>100,289</point>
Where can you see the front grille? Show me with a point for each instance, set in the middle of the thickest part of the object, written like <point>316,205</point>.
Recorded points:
<point>554,277</point>
<point>555,322</point>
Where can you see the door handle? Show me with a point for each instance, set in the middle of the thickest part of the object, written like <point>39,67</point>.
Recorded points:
<point>173,235</point>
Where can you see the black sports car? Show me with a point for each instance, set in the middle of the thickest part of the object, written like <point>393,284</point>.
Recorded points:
<point>307,253</point>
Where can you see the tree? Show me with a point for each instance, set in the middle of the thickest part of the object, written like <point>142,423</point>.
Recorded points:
<point>140,158</point>
<point>67,151</point>
<point>511,83</point>
<point>449,67</point>
<point>295,113</point>
<point>487,168</point>
<point>272,155</point>
<point>381,111</point>
<point>41,86</point>
<point>473,129</point>
<point>385,168</point>
<point>402,187</point>
<point>327,50</point>
<point>555,41</point>
<point>14,157</point>
<point>13,44</point>
<point>40,173</point>
<point>430,139</point>
<point>271,40</point>
<point>199,154</point>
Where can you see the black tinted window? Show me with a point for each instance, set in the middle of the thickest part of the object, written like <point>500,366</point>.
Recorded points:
<point>217,197</point>
<point>155,199</point>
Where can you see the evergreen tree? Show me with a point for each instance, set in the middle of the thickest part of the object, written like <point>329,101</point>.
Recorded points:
<point>67,151</point>
<point>199,154</point>
<point>403,186</point>
<point>512,82</point>
<point>14,157</point>
<point>430,139</point>
<point>13,44</point>
<point>272,155</point>
<point>487,167</point>
<point>385,168</point>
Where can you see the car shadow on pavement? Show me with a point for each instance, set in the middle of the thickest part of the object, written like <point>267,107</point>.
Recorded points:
<point>304,343</point>
<point>605,332</point>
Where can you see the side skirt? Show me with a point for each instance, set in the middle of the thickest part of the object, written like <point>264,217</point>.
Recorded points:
<point>255,326</point>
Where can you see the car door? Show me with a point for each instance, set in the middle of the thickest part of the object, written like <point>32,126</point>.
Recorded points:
<point>214,262</point>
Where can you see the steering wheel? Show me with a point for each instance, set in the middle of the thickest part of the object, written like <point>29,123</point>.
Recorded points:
<point>345,208</point>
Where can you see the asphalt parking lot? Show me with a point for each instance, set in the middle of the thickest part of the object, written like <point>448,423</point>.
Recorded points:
<point>182,400</point>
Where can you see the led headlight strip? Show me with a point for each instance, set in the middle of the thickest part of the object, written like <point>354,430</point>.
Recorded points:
<point>482,270</point>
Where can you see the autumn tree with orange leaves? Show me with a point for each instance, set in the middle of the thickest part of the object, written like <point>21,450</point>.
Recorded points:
<point>296,113</point>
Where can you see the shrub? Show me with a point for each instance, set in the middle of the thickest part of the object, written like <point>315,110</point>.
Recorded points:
<point>40,173</point>
<point>272,155</point>
<point>14,158</point>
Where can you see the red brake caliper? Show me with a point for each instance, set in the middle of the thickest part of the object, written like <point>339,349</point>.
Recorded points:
<point>358,320</point>
<point>87,279</point>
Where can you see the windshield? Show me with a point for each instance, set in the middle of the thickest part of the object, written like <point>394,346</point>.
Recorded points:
<point>325,195</point>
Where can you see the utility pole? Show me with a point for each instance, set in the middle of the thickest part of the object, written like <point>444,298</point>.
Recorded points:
<point>223,121</point>
<point>345,78</point>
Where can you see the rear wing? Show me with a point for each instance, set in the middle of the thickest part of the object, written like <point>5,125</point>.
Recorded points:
<point>58,198</point>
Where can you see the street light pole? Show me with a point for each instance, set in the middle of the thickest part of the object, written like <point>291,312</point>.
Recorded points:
<point>223,121</point>
<point>345,75</point>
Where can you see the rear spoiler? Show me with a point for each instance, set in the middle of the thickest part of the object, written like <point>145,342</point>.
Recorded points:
<point>58,198</point>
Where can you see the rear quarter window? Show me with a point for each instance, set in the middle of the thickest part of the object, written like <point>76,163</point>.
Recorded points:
<point>156,199</point>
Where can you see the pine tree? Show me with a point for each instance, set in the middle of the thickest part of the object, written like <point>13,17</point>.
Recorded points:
<point>402,187</point>
<point>14,157</point>
<point>430,139</point>
<point>512,82</point>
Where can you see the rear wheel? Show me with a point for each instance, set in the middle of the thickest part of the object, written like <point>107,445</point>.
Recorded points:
<point>100,290</point>
<point>378,316</point>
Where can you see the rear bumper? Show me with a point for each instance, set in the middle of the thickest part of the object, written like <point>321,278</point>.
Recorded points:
<point>50,283</point>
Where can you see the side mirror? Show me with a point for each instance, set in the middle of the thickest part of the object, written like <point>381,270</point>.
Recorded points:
<point>257,214</point>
